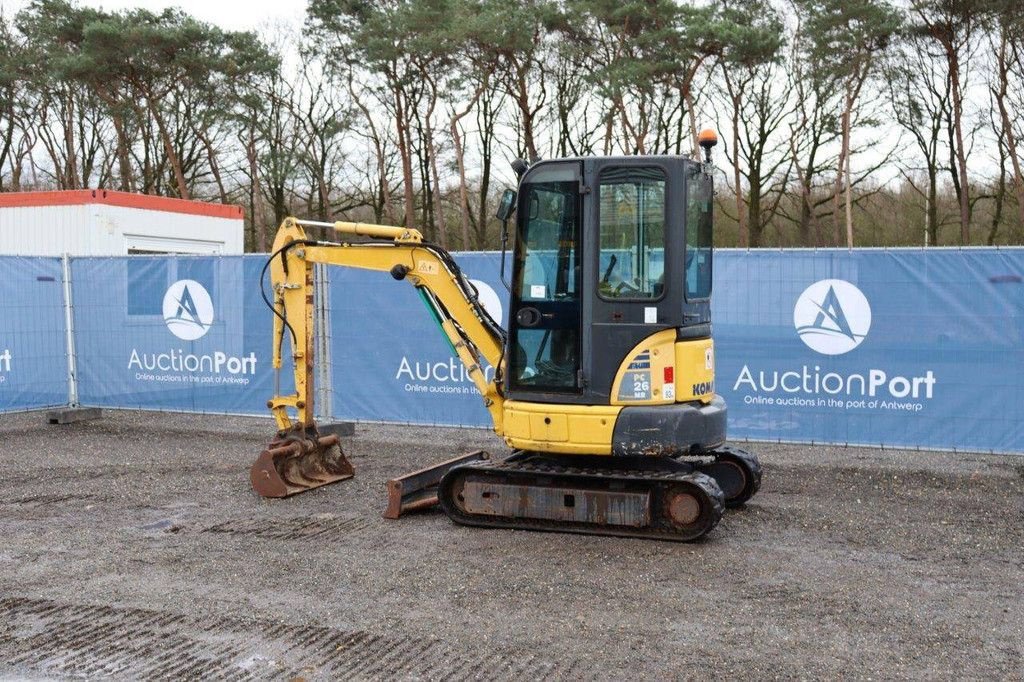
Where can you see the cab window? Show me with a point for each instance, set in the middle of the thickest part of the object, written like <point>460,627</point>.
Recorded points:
<point>632,233</point>
<point>700,196</point>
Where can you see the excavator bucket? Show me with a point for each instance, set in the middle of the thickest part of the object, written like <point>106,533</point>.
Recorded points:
<point>418,490</point>
<point>294,464</point>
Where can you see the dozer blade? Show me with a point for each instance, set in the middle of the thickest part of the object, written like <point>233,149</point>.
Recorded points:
<point>295,465</point>
<point>418,490</point>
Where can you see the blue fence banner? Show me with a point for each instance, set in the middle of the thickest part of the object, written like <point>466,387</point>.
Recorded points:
<point>33,340</point>
<point>186,333</point>
<point>902,348</point>
<point>896,347</point>
<point>390,361</point>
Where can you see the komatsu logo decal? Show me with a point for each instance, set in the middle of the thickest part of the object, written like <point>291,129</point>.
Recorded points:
<point>188,310</point>
<point>704,388</point>
<point>832,316</point>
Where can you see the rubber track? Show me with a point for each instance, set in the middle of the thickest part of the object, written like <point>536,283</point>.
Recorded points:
<point>577,477</point>
<point>753,468</point>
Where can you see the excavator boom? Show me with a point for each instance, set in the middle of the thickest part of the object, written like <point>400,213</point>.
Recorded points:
<point>299,459</point>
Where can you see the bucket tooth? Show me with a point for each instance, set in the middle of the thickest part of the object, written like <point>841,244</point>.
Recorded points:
<point>294,465</point>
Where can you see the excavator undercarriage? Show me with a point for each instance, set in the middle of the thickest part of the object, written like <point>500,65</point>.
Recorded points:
<point>538,492</point>
<point>644,497</point>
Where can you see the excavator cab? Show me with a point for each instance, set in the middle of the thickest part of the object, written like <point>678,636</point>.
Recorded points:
<point>610,308</point>
<point>606,250</point>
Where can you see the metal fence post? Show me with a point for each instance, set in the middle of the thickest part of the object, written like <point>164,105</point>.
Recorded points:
<point>69,329</point>
<point>322,343</point>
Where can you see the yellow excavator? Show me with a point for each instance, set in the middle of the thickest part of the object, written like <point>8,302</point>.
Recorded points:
<point>603,383</point>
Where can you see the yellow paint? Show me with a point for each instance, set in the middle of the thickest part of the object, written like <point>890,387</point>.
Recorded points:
<point>695,367</point>
<point>565,429</point>
<point>399,234</point>
<point>657,351</point>
<point>692,364</point>
<point>426,267</point>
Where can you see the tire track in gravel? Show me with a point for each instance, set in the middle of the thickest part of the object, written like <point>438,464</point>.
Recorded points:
<point>50,638</point>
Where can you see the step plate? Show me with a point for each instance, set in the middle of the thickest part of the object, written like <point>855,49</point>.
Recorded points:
<point>612,508</point>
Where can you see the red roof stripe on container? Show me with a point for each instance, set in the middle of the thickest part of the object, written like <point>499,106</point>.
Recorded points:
<point>81,197</point>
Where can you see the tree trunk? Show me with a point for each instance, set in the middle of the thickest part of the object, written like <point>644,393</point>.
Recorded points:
<point>214,168</point>
<point>123,162</point>
<point>485,122</point>
<point>609,129</point>
<point>961,153</point>
<point>523,100</point>
<point>258,228</point>
<point>849,203</point>
<point>737,184</point>
<point>71,166</point>
<point>691,105</point>
<point>172,156</point>
<point>431,149</point>
<point>378,148</point>
<point>5,153</point>
<point>754,210</point>
<point>401,124</point>
<point>997,215</point>
<point>837,219</point>
<point>932,212</point>
<point>1004,115</point>
<point>461,162</point>
<point>422,151</point>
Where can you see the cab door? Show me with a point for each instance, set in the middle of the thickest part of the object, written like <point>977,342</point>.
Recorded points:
<point>635,237</point>
<point>545,344</point>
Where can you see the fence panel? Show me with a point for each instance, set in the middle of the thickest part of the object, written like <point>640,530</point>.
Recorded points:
<point>33,358</point>
<point>391,362</point>
<point>187,333</point>
<point>897,348</point>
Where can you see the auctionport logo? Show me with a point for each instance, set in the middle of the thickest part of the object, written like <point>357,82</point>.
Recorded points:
<point>832,316</point>
<point>188,310</point>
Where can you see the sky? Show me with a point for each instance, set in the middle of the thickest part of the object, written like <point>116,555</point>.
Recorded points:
<point>234,15</point>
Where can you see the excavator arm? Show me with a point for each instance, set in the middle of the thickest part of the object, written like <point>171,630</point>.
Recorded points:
<point>299,459</point>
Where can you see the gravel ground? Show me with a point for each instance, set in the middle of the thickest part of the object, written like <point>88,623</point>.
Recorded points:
<point>132,546</point>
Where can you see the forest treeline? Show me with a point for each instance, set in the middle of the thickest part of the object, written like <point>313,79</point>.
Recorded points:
<point>862,122</point>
